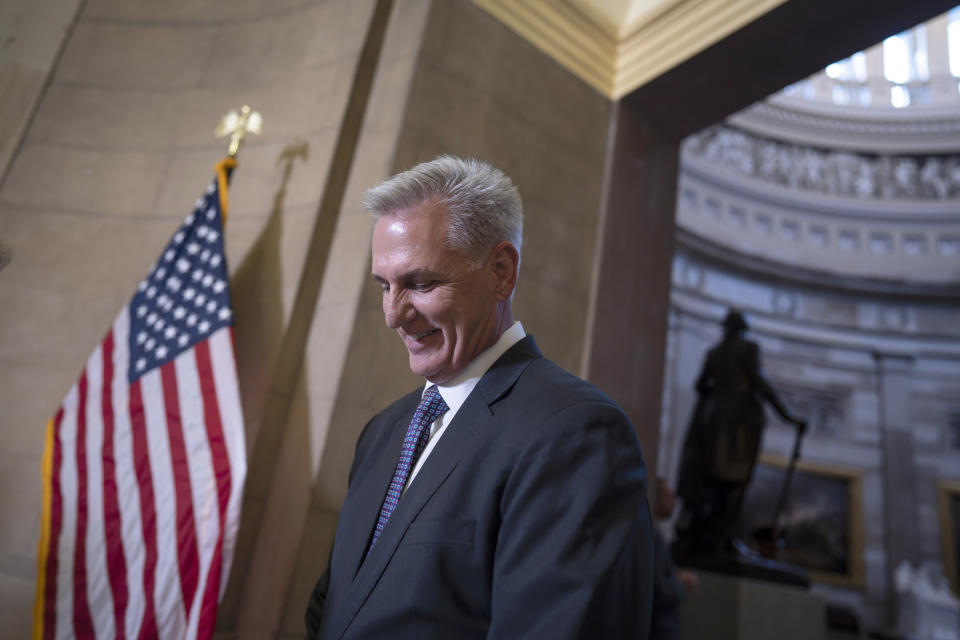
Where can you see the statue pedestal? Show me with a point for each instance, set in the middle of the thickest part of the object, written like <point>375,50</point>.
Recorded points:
<point>728,607</point>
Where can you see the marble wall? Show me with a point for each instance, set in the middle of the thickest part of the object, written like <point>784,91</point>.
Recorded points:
<point>118,147</point>
<point>109,140</point>
<point>31,36</point>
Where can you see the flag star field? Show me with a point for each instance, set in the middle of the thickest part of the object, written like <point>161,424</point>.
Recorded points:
<point>185,297</point>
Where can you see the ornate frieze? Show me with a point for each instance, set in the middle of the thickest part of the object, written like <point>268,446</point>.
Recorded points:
<point>903,247</point>
<point>828,172</point>
<point>823,408</point>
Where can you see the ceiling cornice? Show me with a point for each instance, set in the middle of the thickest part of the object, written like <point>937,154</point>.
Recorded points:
<point>617,51</point>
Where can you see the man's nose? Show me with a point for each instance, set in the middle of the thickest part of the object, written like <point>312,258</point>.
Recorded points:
<point>397,310</point>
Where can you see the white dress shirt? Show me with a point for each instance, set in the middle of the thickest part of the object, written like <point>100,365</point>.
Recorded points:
<point>456,391</point>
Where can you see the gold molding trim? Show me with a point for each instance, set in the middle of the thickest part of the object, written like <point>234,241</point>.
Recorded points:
<point>946,491</point>
<point>616,59</point>
<point>855,545</point>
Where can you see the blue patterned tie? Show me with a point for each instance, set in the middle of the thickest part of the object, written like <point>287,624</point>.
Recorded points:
<point>431,406</point>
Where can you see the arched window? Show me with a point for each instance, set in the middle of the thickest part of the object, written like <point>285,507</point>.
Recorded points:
<point>953,41</point>
<point>895,72</point>
<point>905,63</point>
<point>905,56</point>
<point>852,69</point>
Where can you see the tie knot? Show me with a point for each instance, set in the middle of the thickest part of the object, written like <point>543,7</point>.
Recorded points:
<point>431,405</point>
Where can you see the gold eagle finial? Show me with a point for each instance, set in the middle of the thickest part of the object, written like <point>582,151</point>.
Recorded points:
<point>237,124</point>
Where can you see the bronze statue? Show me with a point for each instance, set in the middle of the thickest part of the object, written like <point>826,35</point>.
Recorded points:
<point>722,443</point>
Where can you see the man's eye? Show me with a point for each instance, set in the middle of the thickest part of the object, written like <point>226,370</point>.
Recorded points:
<point>427,285</point>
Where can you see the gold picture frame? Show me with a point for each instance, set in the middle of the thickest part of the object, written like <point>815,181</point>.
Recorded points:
<point>821,522</point>
<point>948,500</point>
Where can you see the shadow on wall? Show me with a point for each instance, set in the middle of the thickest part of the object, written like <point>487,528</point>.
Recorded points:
<point>259,334</point>
<point>258,304</point>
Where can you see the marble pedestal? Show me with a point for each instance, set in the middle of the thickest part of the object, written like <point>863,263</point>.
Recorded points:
<point>735,608</point>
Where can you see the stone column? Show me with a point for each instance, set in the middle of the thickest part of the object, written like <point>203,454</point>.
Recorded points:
<point>823,88</point>
<point>879,87</point>
<point>942,85</point>
<point>898,472</point>
<point>624,353</point>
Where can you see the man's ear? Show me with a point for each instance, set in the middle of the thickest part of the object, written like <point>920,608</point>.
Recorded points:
<point>505,262</point>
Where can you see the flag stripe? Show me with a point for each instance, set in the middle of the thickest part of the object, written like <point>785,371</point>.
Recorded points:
<point>144,461</point>
<point>221,467</point>
<point>82,625</point>
<point>202,478</point>
<point>99,597</point>
<point>56,521</point>
<point>186,530</point>
<point>68,492</point>
<point>131,538</point>
<point>148,516</point>
<point>231,413</point>
<point>113,528</point>
<point>167,593</point>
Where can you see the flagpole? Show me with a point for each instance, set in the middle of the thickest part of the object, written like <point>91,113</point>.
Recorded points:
<point>236,124</point>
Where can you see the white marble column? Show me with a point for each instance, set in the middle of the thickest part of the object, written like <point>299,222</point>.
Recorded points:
<point>942,85</point>
<point>879,87</point>
<point>898,470</point>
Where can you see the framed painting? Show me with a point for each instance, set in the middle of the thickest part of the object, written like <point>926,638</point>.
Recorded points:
<point>948,497</point>
<point>821,524</point>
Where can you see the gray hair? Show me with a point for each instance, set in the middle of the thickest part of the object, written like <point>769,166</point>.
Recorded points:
<point>483,203</point>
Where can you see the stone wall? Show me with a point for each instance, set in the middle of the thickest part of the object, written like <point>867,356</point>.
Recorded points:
<point>31,39</point>
<point>119,145</point>
<point>118,148</point>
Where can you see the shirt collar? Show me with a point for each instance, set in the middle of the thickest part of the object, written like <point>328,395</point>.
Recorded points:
<point>455,391</point>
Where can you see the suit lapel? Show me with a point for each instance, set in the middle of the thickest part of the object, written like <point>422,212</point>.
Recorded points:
<point>455,443</point>
<point>504,373</point>
<point>363,508</point>
<point>435,470</point>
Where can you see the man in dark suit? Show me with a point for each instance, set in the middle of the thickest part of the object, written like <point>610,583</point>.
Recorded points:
<point>506,498</point>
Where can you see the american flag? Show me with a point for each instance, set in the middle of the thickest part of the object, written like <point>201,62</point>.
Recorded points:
<point>144,461</point>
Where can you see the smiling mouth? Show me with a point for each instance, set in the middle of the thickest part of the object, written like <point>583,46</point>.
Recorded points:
<point>422,334</point>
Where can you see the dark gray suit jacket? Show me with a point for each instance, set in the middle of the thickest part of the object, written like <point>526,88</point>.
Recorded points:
<point>528,520</point>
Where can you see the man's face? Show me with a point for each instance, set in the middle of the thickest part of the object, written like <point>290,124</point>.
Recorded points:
<point>441,304</point>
